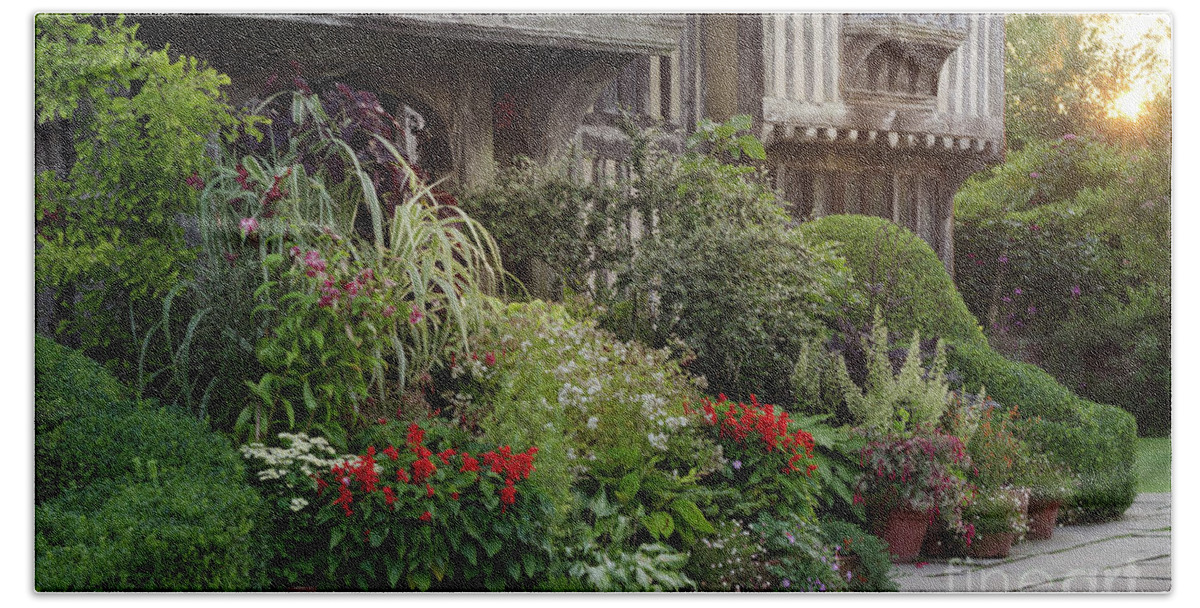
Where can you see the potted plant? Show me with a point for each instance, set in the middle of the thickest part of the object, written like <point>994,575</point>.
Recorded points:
<point>994,521</point>
<point>1050,485</point>
<point>908,479</point>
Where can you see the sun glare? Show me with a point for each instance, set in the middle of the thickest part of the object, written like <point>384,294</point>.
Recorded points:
<point>1127,30</point>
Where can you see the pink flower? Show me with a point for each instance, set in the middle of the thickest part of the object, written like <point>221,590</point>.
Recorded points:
<point>1035,175</point>
<point>389,311</point>
<point>249,225</point>
<point>195,181</point>
<point>1069,137</point>
<point>314,262</point>
<point>490,359</point>
<point>416,315</point>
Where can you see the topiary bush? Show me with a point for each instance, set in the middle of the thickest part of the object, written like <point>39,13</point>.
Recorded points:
<point>899,273</point>
<point>129,496</point>
<point>1097,441</point>
<point>68,385</point>
<point>174,534</point>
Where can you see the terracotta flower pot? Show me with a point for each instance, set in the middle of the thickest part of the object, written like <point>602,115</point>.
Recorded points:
<point>994,545</point>
<point>941,542</point>
<point>1042,517</point>
<point>903,531</point>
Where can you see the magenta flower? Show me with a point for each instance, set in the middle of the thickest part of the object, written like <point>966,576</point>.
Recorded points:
<point>1018,291</point>
<point>1003,259</point>
<point>1075,291</point>
<point>389,311</point>
<point>1035,175</point>
<point>195,181</point>
<point>315,264</point>
<point>249,225</point>
<point>416,315</point>
<point>1034,227</point>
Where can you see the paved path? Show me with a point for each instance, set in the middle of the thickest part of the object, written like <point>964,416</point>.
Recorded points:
<point>1130,554</point>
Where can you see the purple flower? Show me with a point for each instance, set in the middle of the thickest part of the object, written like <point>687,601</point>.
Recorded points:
<point>249,225</point>
<point>1069,137</point>
<point>791,539</point>
<point>737,465</point>
<point>1005,299</point>
<point>1003,259</point>
<point>1032,310</point>
<point>1075,291</point>
<point>1018,291</point>
<point>786,583</point>
<point>1035,175</point>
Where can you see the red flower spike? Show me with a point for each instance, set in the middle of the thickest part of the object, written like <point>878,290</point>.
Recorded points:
<point>426,516</point>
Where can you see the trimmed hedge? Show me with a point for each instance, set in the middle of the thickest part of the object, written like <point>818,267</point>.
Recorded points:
<point>132,497</point>
<point>174,535</point>
<point>895,269</point>
<point>1097,441</point>
<point>68,385</point>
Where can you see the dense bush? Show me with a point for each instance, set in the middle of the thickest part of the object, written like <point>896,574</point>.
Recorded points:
<point>744,299</point>
<point>117,447</point>
<point>690,251</point>
<point>342,291</point>
<point>67,385</point>
<point>899,273</point>
<point>865,563</point>
<point>1064,252</point>
<point>179,533</point>
<point>138,121</point>
<point>130,497</point>
<point>1097,441</point>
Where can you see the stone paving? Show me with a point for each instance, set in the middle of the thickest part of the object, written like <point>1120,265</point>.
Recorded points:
<point>1130,554</point>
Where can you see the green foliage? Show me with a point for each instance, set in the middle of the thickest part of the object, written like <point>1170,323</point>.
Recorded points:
<point>107,231</point>
<point>602,553</point>
<point>689,251</point>
<point>887,399</point>
<point>744,299</point>
<point>68,385</point>
<point>538,376</point>
<point>1096,441</point>
<point>122,444</point>
<point>181,533</point>
<point>1064,251</point>
<point>865,563</point>
<point>354,296</point>
<point>898,272</point>
<point>129,497</point>
<point>549,232</point>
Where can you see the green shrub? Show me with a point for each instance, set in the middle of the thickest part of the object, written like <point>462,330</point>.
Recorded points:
<point>866,563</point>
<point>897,271</point>
<point>139,120</point>
<point>537,376</point>
<point>1097,441</point>
<point>357,290</point>
<point>68,385</point>
<point>121,446</point>
<point>744,299</point>
<point>182,533</point>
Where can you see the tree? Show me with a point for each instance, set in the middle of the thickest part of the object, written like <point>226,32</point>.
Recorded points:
<point>1062,75</point>
<point>137,125</point>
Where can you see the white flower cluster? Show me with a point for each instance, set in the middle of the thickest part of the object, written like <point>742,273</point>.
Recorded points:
<point>307,454</point>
